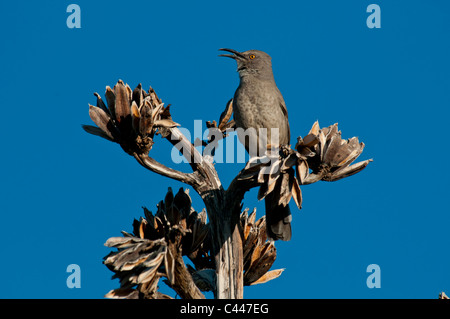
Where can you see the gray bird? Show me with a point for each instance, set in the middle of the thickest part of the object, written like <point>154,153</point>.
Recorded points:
<point>258,104</point>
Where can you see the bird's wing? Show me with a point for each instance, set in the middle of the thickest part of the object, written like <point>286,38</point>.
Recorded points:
<point>285,113</point>
<point>283,106</point>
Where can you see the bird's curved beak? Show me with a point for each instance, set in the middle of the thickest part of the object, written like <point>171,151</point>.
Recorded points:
<point>237,55</point>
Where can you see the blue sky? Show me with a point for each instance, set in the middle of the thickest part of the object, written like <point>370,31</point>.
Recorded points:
<point>64,192</point>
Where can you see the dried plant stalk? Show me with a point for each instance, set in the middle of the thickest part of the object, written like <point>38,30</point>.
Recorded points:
<point>232,249</point>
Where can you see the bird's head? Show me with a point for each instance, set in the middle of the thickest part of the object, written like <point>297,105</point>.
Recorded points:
<point>251,62</point>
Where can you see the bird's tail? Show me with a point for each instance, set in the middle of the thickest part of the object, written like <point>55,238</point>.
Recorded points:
<point>278,219</point>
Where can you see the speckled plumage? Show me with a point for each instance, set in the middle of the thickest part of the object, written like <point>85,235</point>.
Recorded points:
<point>258,104</point>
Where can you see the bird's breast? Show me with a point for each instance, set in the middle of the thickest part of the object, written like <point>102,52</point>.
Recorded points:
<point>259,107</point>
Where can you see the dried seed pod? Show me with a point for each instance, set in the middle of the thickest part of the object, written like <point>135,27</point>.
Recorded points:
<point>101,119</point>
<point>101,104</point>
<point>111,100</point>
<point>258,253</point>
<point>138,95</point>
<point>122,101</point>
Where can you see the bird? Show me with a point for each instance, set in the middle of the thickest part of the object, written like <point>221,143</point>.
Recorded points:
<point>261,119</point>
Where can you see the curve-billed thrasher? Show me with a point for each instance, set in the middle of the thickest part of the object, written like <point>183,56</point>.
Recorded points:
<point>258,104</point>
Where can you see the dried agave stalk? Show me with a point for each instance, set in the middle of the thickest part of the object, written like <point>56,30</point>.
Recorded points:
<point>216,132</point>
<point>136,263</point>
<point>331,156</point>
<point>156,248</point>
<point>275,173</point>
<point>145,256</point>
<point>130,118</point>
<point>259,254</point>
<point>321,155</point>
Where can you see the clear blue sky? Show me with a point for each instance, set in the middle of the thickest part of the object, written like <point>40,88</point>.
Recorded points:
<point>64,192</point>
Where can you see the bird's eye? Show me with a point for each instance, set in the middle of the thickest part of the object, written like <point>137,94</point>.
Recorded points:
<point>252,56</point>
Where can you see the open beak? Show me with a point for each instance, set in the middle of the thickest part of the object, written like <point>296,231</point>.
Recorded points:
<point>237,54</point>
